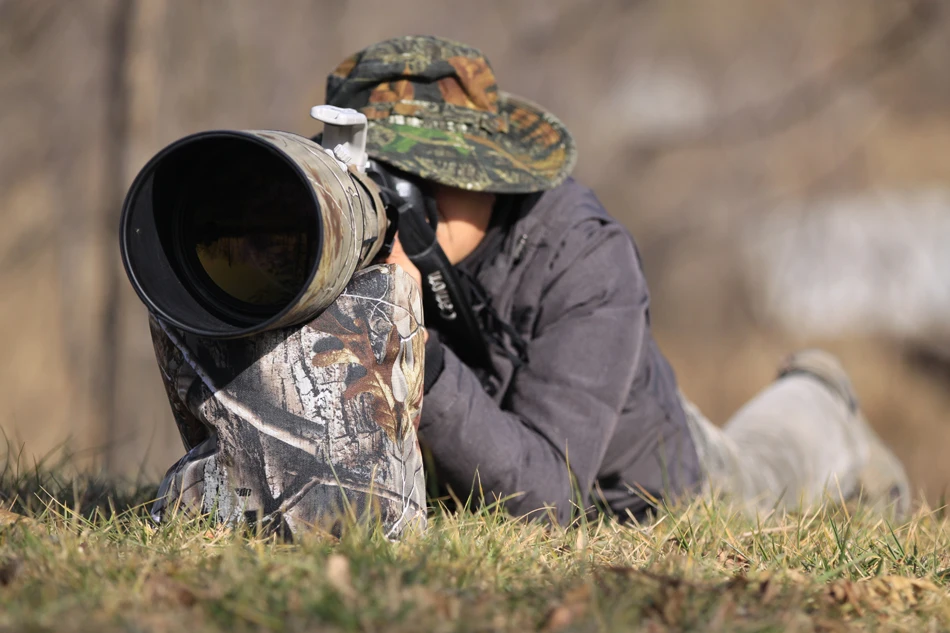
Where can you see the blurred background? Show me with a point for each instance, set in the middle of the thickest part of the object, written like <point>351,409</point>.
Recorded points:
<point>784,166</point>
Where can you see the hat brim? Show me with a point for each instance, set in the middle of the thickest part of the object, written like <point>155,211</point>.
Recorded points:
<point>535,154</point>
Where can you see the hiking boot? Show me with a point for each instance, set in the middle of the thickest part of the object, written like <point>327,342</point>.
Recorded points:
<point>882,481</point>
<point>826,368</point>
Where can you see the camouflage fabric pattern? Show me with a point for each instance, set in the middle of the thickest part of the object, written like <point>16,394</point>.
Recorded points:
<point>435,111</point>
<point>299,427</point>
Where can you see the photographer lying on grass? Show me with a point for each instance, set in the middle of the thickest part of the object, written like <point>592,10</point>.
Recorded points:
<point>573,393</point>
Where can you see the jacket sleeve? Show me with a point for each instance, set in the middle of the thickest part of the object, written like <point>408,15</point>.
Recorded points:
<point>563,404</point>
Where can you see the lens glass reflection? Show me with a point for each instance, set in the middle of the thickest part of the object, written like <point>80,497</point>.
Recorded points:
<point>249,225</point>
<point>256,257</point>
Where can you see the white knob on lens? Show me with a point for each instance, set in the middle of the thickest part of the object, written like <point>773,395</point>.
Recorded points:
<point>344,133</point>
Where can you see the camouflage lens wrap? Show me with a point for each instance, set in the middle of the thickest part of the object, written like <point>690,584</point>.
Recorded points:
<point>435,110</point>
<point>352,223</point>
<point>302,427</point>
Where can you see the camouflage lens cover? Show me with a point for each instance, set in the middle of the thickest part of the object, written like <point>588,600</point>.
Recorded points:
<point>301,427</point>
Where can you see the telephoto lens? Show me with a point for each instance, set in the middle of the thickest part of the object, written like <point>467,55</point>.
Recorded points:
<point>229,233</point>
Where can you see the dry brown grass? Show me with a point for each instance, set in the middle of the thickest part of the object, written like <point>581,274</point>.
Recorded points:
<point>88,559</point>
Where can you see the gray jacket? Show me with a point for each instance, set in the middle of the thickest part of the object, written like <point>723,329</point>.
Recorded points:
<point>595,408</point>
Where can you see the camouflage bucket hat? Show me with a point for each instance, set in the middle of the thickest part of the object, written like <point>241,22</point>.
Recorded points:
<point>435,111</point>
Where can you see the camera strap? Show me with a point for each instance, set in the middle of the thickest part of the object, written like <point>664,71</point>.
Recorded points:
<point>446,297</point>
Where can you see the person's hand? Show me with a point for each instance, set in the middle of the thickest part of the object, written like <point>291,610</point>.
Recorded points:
<point>398,256</point>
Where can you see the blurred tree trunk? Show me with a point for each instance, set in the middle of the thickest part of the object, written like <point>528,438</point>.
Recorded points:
<point>116,140</point>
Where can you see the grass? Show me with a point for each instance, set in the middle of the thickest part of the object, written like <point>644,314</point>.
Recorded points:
<point>89,559</point>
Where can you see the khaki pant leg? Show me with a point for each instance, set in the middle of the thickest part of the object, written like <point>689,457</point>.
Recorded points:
<point>797,444</point>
